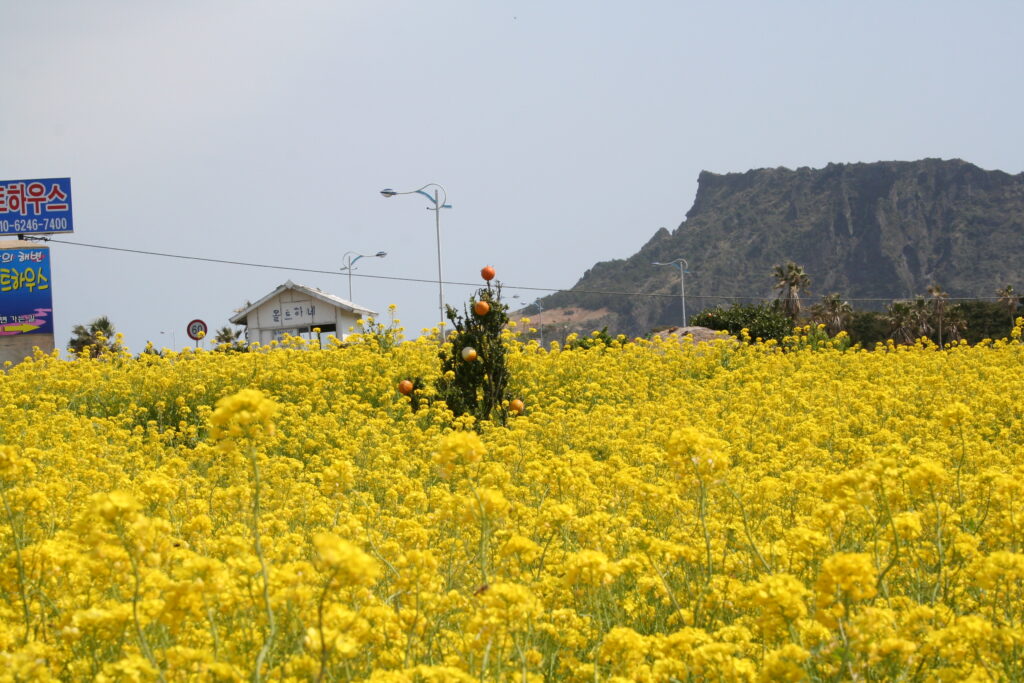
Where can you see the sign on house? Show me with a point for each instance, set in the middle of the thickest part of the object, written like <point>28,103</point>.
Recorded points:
<point>38,206</point>
<point>298,313</point>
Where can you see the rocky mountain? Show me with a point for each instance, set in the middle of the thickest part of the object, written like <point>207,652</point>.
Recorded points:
<point>872,232</point>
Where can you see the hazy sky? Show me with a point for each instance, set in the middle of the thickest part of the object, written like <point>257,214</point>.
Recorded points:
<point>565,133</point>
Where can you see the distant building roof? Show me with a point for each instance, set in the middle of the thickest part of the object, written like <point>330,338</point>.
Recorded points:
<point>240,317</point>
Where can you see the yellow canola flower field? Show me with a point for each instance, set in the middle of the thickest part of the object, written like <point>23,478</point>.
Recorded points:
<point>661,511</point>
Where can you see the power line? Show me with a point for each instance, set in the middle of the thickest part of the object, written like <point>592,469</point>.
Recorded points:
<point>450,282</point>
<point>334,272</point>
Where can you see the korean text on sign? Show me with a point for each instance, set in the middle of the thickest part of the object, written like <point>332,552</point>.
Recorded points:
<point>13,279</point>
<point>26,297</point>
<point>294,313</point>
<point>35,206</point>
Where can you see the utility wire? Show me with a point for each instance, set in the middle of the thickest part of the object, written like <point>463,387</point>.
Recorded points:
<point>447,282</point>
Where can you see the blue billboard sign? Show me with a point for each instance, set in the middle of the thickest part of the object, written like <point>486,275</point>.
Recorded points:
<point>40,206</point>
<point>26,299</point>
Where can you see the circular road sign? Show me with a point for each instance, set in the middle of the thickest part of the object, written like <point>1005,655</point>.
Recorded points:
<point>196,329</point>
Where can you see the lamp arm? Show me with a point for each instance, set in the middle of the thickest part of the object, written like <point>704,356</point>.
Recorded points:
<point>351,260</point>
<point>440,203</point>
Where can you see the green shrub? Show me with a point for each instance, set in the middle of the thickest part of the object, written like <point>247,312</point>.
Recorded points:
<point>478,387</point>
<point>760,320</point>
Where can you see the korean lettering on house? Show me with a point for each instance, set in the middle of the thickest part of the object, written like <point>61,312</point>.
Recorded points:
<point>294,313</point>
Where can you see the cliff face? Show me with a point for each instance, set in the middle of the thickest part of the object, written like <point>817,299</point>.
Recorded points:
<point>871,232</point>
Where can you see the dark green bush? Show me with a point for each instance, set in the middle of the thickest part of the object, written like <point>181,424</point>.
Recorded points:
<point>479,387</point>
<point>760,320</point>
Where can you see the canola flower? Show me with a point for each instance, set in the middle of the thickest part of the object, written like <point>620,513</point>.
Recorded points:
<point>660,512</point>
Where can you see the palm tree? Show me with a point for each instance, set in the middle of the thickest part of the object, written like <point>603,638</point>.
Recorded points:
<point>231,337</point>
<point>226,335</point>
<point>939,301</point>
<point>956,323</point>
<point>790,280</point>
<point>833,312</point>
<point>921,318</point>
<point>98,334</point>
<point>1010,301</point>
<point>901,322</point>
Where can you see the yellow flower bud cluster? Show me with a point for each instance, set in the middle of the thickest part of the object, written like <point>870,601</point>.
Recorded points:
<point>348,563</point>
<point>458,449</point>
<point>690,450</point>
<point>247,414</point>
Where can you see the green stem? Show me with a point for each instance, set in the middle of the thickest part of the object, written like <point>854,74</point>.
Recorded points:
<point>664,582</point>
<point>746,530</point>
<point>938,546</point>
<point>320,626</point>
<point>213,630</point>
<point>702,509</point>
<point>18,542</point>
<point>136,594</point>
<point>960,466</point>
<point>268,641</point>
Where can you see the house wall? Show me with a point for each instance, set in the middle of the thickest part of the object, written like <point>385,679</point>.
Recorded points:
<point>294,312</point>
<point>16,348</point>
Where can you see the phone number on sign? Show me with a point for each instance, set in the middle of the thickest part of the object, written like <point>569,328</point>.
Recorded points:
<point>33,224</point>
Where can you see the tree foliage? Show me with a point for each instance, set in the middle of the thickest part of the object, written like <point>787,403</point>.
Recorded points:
<point>1010,300</point>
<point>834,313</point>
<point>477,387</point>
<point>790,280</point>
<point>229,339</point>
<point>760,320</point>
<point>98,336</point>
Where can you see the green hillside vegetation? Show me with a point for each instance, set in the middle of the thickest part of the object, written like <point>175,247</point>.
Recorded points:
<point>874,235</point>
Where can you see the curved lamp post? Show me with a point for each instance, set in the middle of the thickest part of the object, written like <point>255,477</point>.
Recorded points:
<point>350,258</point>
<point>439,198</point>
<point>540,322</point>
<point>683,267</point>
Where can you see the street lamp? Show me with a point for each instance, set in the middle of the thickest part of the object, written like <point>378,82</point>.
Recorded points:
<point>681,264</point>
<point>439,199</point>
<point>349,260</point>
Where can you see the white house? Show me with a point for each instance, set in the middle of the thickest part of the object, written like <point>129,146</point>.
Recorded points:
<point>296,309</point>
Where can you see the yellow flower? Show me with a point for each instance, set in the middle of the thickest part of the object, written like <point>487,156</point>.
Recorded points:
<point>780,598</point>
<point>690,450</point>
<point>345,561</point>
<point>570,545</point>
<point>13,465</point>
<point>246,414</point>
<point>785,664</point>
<point>458,448</point>
<point>844,578</point>
<point>115,505</point>
<point>590,568</point>
<point>1000,567</point>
